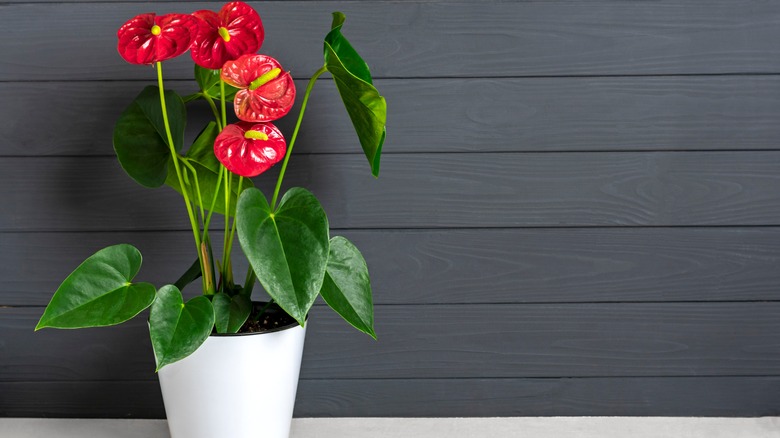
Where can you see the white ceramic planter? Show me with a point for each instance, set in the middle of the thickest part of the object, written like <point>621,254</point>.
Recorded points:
<point>235,386</point>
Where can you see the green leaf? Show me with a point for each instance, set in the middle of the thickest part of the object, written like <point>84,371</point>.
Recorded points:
<point>347,288</point>
<point>192,274</point>
<point>230,313</point>
<point>202,149</point>
<point>99,292</point>
<point>366,107</point>
<point>207,180</point>
<point>288,248</point>
<point>177,329</point>
<point>140,141</point>
<point>208,81</point>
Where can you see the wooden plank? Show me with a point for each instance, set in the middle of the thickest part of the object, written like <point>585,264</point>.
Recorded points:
<point>621,396</point>
<point>428,191</point>
<point>428,39</point>
<point>531,114</point>
<point>464,266</point>
<point>451,341</point>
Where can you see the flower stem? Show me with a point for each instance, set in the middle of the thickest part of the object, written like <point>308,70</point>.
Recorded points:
<point>215,111</point>
<point>222,101</point>
<point>309,87</point>
<point>207,222</point>
<point>226,274</point>
<point>233,227</point>
<point>174,156</point>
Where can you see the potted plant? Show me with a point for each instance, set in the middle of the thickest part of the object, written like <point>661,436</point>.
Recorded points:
<point>228,366</point>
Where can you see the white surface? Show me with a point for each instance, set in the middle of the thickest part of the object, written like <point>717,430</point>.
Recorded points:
<point>548,427</point>
<point>225,376</point>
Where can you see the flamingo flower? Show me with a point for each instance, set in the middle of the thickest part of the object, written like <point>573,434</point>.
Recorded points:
<point>150,38</point>
<point>266,91</point>
<point>249,149</point>
<point>224,36</point>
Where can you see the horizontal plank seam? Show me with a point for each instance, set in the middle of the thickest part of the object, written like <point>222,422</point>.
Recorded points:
<point>511,303</point>
<point>440,77</point>
<point>421,228</point>
<point>470,152</point>
<point>314,379</point>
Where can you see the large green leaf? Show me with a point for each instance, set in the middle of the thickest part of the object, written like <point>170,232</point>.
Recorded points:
<point>99,292</point>
<point>230,312</point>
<point>366,107</point>
<point>177,328</point>
<point>140,141</point>
<point>288,248</point>
<point>347,288</point>
<point>208,82</point>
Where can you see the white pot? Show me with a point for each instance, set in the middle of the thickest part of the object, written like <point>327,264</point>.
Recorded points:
<point>235,386</point>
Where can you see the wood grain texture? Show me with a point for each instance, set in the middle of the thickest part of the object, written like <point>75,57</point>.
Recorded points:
<point>450,341</point>
<point>427,191</point>
<point>464,266</point>
<point>531,114</point>
<point>678,396</point>
<point>429,39</point>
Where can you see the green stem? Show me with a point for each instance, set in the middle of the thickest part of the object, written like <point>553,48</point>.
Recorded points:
<point>222,100</point>
<point>309,87</point>
<point>214,109</point>
<point>174,155</point>
<point>249,282</point>
<point>197,185</point>
<point>226,275</point>
<point>233,227</point>
<point>207,222</point>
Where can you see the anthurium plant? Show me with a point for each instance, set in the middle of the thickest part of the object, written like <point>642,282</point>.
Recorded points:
<point>285,239</point>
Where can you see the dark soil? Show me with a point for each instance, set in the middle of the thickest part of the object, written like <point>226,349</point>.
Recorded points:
<point>273,318</point>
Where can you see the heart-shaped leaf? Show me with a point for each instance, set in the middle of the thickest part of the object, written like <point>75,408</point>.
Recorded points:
<point>177,328</point>
<point>366,107</point>
<point>230,313</point>
<point>99,292</point>
<point>288,248</point>
<point>208,81</point>
<point>347,288</point>
<point>140,141</point>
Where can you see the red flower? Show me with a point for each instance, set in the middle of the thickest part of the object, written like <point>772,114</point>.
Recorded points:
<point>249,149</point>
<point>236,30</point>
<point>267,92</point>
<point>149,38</point>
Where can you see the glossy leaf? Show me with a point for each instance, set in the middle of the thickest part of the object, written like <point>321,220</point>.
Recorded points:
<point>347,287</point>
<point>230,312</point>
<point>366,107</point>
<point>177,328</point>
<point>140,141</point>
<point>208,82</point>
<point>100,291</point>
<point>202,149</point>
<point>288,248</point>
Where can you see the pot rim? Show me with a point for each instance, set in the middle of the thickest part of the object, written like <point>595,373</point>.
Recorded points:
<point>273,307</point>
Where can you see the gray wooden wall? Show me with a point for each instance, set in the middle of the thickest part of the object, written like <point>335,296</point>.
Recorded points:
<point>577,214</point>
